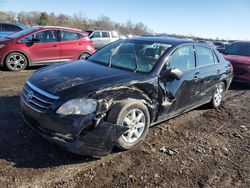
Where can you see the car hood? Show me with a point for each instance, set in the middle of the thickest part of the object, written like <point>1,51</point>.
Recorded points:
<point>237,58</point>
<point>77,79</point>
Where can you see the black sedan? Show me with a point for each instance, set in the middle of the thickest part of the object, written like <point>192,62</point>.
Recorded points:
<point>113,98</point>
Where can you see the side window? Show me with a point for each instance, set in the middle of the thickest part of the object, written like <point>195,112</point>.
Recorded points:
<point>182,58</point>
<point>69,36</point>
<point>46,36</point>
<point>105,35</point>
<point>96,35</point>
<point>27,39</point>
<point>205,56</point>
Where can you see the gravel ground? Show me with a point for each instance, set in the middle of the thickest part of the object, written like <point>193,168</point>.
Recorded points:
<point>202,148</point>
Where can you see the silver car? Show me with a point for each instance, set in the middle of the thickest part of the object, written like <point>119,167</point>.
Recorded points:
<point>101,38</point>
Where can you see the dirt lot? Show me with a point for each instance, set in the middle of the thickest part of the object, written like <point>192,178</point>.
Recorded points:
<point>211,148</point>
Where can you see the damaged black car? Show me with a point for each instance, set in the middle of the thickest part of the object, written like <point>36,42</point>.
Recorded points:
<point>112,99</point>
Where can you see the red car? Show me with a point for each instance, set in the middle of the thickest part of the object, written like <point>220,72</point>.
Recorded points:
<point>43,45</point>
<point>238,54</point>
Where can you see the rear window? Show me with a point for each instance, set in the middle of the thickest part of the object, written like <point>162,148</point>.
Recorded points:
<point>238,49</point>
<point>69,36</point>
<point>205,56</point>
<point>10,28</point>
<point>105,35</point>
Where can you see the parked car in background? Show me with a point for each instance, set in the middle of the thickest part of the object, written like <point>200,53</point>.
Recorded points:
<point>101,38</point>
<point>43,45</point>
<point>238,54</point>
<point>10,28</point>
<point>220,46</point>
<point>120,91</point>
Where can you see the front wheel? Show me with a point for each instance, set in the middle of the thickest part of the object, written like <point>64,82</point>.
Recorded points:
<point>16,61</point>
<point>218,95</point>
<point>133,115</point>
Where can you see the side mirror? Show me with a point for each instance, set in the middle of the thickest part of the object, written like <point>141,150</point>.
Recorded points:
<point>175,73</point>
<point>35,40</point>
<point>171,74</point>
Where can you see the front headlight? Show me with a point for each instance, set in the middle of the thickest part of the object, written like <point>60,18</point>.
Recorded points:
<point>78,106</point>
<point>2,45</point>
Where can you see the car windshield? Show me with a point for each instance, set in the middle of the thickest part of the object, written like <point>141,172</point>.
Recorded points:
<point>135,55</point>
<point>23,32</point>
<point>238,49</point>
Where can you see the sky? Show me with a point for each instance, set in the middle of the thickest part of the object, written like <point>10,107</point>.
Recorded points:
<point>225,19</point>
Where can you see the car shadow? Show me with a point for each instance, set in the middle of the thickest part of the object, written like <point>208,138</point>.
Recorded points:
<point>239,86</point>
<point>31,68</point>
<point>23,147</point>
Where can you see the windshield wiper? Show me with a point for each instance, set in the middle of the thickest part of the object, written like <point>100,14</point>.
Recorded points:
<point>112,54</point>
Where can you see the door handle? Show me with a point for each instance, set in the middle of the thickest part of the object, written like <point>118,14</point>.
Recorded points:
<point>54,45</point>
<point>196,76</point>
<point>80,43</point>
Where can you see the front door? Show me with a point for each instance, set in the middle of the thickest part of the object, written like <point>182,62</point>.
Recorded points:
<point>179,94</point>
<point>47,49</point>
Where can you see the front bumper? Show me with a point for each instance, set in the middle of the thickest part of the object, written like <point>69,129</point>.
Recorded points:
<point>87,139</point>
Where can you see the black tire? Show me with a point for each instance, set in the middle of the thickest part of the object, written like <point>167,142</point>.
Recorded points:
<point>84,55</point>
<point>16,61</point>
<point>117,116</point>
<point>218,95</point>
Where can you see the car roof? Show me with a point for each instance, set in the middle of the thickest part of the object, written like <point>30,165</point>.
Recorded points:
<point>58,27</point>
<point>243,41</point>
<point>92,30</point>
<point>166,40</point>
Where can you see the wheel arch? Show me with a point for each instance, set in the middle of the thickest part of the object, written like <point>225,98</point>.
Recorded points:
<point>85,51</point>
<point>17,51</point>
<point>110,103</point>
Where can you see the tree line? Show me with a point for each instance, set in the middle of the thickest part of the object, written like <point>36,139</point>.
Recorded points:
<point>79,21</point>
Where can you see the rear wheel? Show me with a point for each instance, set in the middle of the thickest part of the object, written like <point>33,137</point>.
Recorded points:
<point>218,95</point>
<point>136,117</point>
<point>84,55</point>
<point>16,61</point>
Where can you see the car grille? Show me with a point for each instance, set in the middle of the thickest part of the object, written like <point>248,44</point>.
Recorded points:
<point>36,98</point>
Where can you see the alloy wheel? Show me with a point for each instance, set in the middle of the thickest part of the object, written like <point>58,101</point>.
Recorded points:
<point>16,62</point>
<point>218,95</point>
<point>136,122</point>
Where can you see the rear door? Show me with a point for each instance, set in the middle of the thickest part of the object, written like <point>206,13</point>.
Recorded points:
<point>45,51</point>
<point>71,45</point>
<point>180,94</point>
<point>210,72</point>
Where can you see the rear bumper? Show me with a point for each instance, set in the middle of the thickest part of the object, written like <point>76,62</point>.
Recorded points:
<point>90,140</point>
